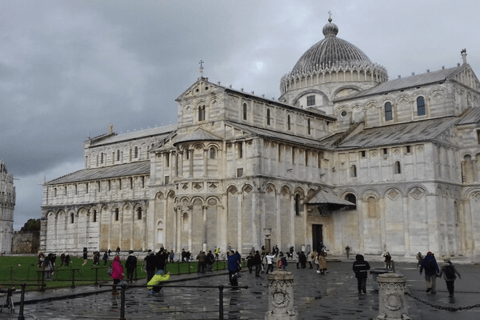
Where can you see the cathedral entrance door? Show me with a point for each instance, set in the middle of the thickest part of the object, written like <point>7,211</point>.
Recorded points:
<point>317,237</point>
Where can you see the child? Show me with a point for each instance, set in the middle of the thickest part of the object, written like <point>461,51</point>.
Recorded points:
<point>154,283</point>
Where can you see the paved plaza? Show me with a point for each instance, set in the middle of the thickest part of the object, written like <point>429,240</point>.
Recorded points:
<point>330,296</point>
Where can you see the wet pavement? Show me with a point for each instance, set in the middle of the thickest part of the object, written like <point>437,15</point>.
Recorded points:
<point>330,296</point>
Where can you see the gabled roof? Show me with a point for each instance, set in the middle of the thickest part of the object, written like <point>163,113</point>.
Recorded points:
<point>310,111</point>
<point>156,131</point>
<point>324,197</point>
<point>408,82</point>
<point>275,135</point>
<point>472,116</point>
<point>402,133</point>
<point>121,170</point>
<point>199,135</point>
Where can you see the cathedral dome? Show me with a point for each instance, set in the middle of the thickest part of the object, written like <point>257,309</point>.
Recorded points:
<point>332,62</point>
<point>331,52</point>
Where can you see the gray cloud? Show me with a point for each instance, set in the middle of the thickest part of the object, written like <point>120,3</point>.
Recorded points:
<point>69,68</point>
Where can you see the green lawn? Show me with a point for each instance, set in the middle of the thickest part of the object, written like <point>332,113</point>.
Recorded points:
<point>16,270</point>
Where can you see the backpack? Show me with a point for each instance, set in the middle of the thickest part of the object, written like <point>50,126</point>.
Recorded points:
<point>450,271</point>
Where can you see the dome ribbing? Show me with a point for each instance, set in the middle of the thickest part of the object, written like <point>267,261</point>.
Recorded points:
<point>331,52</point>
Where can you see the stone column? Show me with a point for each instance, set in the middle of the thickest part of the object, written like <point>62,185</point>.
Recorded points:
<point>391,298</point>
<point>280,296</point>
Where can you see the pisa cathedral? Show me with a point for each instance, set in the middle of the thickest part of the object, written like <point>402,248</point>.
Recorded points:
<point>7,208</point>
<point>343,157</point>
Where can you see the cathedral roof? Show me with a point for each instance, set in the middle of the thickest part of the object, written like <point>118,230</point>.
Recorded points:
<point>166,129</point>
<point>199,135</point>
<point>324,197</point>
<point>331,52</point>
<point>471,116</point>
<point>403,133</point>
<point>408,82</point>
<point>121,170</point>
<point>275,135</point>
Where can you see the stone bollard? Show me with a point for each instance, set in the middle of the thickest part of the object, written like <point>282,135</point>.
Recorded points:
<point>280,296</point>
<point>391,297</point>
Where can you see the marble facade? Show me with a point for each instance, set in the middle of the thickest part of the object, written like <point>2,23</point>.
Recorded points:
<point>240,170</point>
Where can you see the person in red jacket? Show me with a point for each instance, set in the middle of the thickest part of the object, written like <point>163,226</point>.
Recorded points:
<point>117,274</point>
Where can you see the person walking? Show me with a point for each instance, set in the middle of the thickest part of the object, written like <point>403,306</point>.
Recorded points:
<point>449,273</point>
<point>361,267</point>
<point>150,265</point>
<point>130,264</point>
<point>302,258</point>
<point>431,271</point>
<point>322,262</point>
<point>257,261</point>
<point>388,260</point>
<point>105,258</point>
<point>117,274</point>
<point>269,258</point>
<point>62,259</point>
<point>233,267</point>
<point>419,259</point>
<point>201,262</point>
<point>85,256</point>
<point>210,261</point>
<point>249,259</point>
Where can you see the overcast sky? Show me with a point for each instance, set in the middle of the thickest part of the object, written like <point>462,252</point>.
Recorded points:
<point>69,68</point>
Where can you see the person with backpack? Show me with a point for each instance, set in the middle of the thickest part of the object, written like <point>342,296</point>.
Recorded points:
<point>430,265</point>
<point>130,264</point>
<point>360,268</point>
<point>449,273</point>
<point>234,266</point>
<point>117,274</point>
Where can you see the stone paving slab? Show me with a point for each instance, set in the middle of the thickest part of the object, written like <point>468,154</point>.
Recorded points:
<point>330,296</point>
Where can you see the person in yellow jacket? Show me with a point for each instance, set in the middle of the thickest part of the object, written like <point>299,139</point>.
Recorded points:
<point>154,284</point>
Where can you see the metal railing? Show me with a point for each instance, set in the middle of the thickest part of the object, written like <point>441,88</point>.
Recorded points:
<point>124,287</point>
<point>220,295</point>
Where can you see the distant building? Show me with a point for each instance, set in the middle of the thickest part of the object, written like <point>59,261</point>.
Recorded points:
<point>7,208</point>
<point>27,240</point>
<point>343,157</point>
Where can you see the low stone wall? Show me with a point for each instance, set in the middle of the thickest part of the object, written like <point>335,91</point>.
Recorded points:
<point>27,241</point>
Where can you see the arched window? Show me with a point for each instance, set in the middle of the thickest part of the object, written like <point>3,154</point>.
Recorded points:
<point>118,155</point>
<point>351,198</point>
<point>240,150</point>
<point>397,168</point>
<point>353,171</point>
<point>136,152</point>
<point>289,124</point>
<point>201,113</point>
<point>101,157</point>
<point>310,101</point>
<point>94,215</point>
<point>297,205</point>
<point>308,127</point>
<point>268,117</point>
<point>244,111</point>
<point>117,215</point>
<point>72,218</point>
<point>388,111</point>
<point>420,106</point>
<point>212,153</point>
<point>139,213</point>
